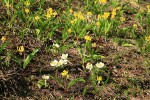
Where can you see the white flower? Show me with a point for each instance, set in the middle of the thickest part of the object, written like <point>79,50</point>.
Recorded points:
<point>64,56</point>
<point>100,65</point>
<point>89,66</point>
<point>60,62</point>
<point>56,45</point>
<point>45,77</point>
<point>63,61</point>
<point>56,63</point>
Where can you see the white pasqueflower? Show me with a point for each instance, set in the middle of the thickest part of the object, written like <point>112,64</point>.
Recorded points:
<point>56,45</point>
<point>100,65</point>
<point>45,77</point>
<point>53,63</point>
<point>56,63</point>
<point>63,61</point>
<point>64,56</point>
<point>60,62</point>
<point>89,66</point>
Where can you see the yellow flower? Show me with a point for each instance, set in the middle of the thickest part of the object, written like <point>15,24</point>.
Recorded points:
<point>93,44</point>
<point>147,38</point>
<point>20,49</point>
<point>102,1</point>
<point>75,14</point>
<point>64,73</point>
<point>3,39</point>
<point>37,17</point>
<point>87,38</point>
<point>114,10</point>
<point>68,76</point>
<point>70,10</point>
<point>106,15</point>
<point>122,19</point>
<point>148,6</point>
<point>118,8</point>
<point>89,13</point>
<point>97,23</point>
<point>27,10</point>
<point>112,16</point>
<point>113,13</point>
<point>27,3</point>
<point>48,15</point>
<point>8,5</point>
<point>99,16</point>
<point>79,15</point>
<point>50,10</point>
<point>69,30</point>
<point>134,25</point>
<point>55,13</point>
<point>73,21</point>
<point>99,78</point>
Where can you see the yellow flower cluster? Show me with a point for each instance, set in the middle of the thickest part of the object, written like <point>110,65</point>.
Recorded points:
<point>37,17</point>
<point>50,13</point>
<point>70,10</point>
<point>147,38</point>
<point>3,39</point>
<point>88,38</point>
<point>89,13</point>
<point>65,73</point>
<point>27,3</point>
<point>93,45</point>
<point>104,16</point>
<point>27,10</point>
<point>69,30</point>
<point>73,21</point>
<point>113,13</point>
<point>148,8</point>
<point>79,15</point>
<point>98,23</point>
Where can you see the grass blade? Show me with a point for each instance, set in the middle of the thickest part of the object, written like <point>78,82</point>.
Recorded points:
<point>72,82</point>
<point>29,57</point>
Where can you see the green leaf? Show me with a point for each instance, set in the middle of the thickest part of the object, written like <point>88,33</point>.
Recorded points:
<point>2,47</point>
<point>40,83</point>
<point>72,82</point>
<point>93,57</point>
<point>84,91</point>
<point>29,57</point>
